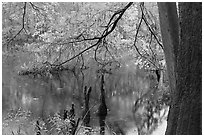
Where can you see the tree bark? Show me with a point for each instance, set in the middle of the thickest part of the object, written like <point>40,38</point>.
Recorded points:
<point>190,69</point>
<point>183,52</point>
<point>170,37</point>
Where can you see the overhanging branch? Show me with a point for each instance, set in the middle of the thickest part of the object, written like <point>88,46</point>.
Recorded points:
<point>106,32</point>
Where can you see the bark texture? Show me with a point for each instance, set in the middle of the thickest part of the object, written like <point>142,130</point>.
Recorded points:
<point>189,68</point>
<point>184,49</point>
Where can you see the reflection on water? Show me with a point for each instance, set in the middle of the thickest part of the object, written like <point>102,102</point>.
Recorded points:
<point>44,98</point>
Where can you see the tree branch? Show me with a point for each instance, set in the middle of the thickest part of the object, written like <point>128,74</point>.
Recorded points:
<point>104,34</point>
<point>150,29</point>
<point>36,7</point>
<point>23,24</point>
<point>134,44</point>
<point>154,57</point>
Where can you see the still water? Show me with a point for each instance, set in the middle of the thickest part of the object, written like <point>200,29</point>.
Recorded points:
<point>47,97</point>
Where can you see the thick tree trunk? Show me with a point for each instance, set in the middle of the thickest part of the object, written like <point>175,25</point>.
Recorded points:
<point>184,64</point>
<point>190,69</point>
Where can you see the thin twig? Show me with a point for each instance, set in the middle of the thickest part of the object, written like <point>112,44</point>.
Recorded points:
<point>36,7</point>
<point>23,24</point>
<point>95,55</point>
<point>78,54</point>
<point>136,35</point>
<point>150,29</point>
<point>154,57</point>
<point>84,118</point>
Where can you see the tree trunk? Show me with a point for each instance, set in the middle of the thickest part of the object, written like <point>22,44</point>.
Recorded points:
<point>86,112</point>
<point>102,110</point>
<point>190,69</point>
<point>184,63</point>
<point>170,37</point>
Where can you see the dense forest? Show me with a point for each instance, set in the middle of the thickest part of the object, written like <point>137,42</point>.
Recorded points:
<point>103,68</point>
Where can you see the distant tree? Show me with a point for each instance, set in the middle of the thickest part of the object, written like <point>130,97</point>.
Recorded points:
<point>182,40</point>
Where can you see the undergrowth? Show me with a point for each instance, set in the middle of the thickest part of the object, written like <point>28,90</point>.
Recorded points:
<point>20,122</point>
